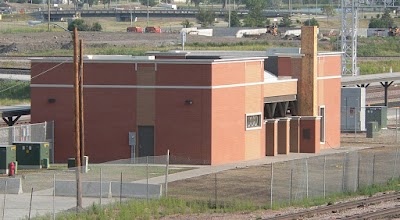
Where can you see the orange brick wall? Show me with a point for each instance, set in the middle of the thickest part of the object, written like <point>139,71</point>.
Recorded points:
<point>329,84</point>
<point>279,89</point>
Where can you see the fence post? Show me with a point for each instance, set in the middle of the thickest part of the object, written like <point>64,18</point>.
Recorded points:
<point>120,190</point>
<point>306,178</point>
<point>343,171</point>
<point>166,175</point>
<point>358,171</point>
<point>324,177</point>
<point>4,202</point>
<point>395,163</point>
<point>147,179</point>
<point>272,183</point>
<point>291,186</point>
<point>101,185</point>
<point>373,170</point>
<point>396,123</point>
<point>54,196</point>
<point>215,190</point>
<point>30,204</point>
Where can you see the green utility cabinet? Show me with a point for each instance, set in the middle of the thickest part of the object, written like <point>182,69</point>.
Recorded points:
<point>378,114</point>
<point>372,129</point>
<point>32,155</point>
<point>7,155</point>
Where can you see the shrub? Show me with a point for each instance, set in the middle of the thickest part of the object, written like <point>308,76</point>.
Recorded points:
<point>186,23</point>
<point>82,26</point>
<point>311,22</point>
<point>96,27</point>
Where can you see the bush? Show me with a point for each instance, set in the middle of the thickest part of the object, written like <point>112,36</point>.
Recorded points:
<point>311,22</point>
<point>82,26</point>
<point>186,23</point>
<point>96,27</point>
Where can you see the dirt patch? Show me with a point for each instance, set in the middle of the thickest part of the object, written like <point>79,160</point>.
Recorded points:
<point>45,41</point>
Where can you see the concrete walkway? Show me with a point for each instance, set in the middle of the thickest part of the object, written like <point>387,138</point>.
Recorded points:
<point>17,206</point>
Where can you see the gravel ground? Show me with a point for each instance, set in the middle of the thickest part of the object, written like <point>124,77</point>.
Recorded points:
<point>31,42</point>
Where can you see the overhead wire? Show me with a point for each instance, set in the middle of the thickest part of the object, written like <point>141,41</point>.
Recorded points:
<point>17,84</point>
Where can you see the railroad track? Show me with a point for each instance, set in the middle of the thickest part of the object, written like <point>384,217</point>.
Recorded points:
<point>18,71</point>
<point>341,206</point>
<point>377,214</point>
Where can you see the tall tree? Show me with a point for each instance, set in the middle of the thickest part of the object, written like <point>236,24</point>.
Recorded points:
<point>196,3</point>
<point>329,11</point>
<point>275,4</point>
<point>205,18</point>
<point>286,21</point>
<point>255,18</point>
<point>383,21</point>
<point>235,20</point>
<point>151,2</point>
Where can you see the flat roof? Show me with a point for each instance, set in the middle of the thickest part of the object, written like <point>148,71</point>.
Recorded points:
<point>371,78</point>
<point>15,111</point>
<point>146,59</point>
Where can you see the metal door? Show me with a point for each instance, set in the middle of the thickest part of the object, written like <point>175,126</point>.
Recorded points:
<point>146,141</point>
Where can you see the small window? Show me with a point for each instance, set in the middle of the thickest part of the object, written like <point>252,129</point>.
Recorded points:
<point>307,133</point>
<point>253,121</point>
<point>322,125</point>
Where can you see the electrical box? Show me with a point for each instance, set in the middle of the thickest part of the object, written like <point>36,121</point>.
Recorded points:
<point>378,114</point>
<point>32,155</point>
<point>352,113</point>
<point>7,155</point>
<point>71,162</point>
<point>372,129</point>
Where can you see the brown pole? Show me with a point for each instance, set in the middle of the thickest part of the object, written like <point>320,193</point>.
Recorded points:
<point>81,116</point>
<point>77,125</point>
<point>48,15</point>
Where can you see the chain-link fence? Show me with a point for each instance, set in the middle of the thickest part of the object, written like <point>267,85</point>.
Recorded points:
<point>37,192</point>
<point>290,181</point>
<point>357,124</point>
<point>47,192</point>
<point>40,132</point>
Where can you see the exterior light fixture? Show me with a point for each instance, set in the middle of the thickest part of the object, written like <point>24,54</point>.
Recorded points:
<point>188,102</point>
<point>51,100</point>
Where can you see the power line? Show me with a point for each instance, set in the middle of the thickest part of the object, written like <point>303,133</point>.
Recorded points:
<point>6,89</point>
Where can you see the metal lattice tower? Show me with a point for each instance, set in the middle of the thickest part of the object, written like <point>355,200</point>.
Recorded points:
<point>349,37</point>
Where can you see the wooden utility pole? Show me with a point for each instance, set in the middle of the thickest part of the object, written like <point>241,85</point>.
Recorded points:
<point>48,15</point>
<point>81,114</point>
<point>77,125</point>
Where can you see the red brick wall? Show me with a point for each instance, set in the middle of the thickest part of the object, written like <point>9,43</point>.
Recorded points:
<point>61,112</point>
<point>183,129</point>
<point>183,75</point>
<point>284,66</point>
<point>311,144</point>
<point>102,108</point>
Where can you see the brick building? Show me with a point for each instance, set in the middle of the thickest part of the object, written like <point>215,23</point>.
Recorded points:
<point>204,109</point>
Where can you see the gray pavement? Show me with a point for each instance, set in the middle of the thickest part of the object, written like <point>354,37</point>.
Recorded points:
<point>17,206</point>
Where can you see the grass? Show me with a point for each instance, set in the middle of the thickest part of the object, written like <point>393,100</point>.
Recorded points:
<point>154,209</point>
<point>378,46</point>
<point>14,64</point>
<point>380,66</point>
<point>14,92</point>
